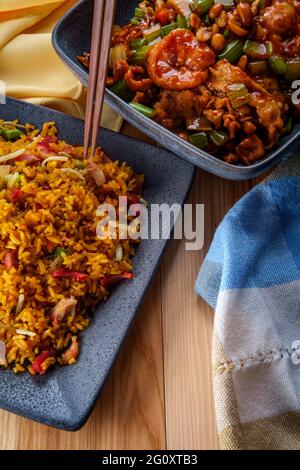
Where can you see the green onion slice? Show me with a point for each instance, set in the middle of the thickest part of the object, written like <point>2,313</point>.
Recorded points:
<point>152,33</point>
<point>218,138</point>
<point>238,94</point>
<point>181,22</point>
<point>136,43</point>
<point>258,67</point>
<point>165,30</point>
<point>278,65</point>
<point>292,70</point>
<point>148,112</point>
<point>201,7</point>
<point>200,140</point>
<point>257,50</point>
<point>232,52</point>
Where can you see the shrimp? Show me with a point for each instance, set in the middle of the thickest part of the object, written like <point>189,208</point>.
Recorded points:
<point>180,61</point>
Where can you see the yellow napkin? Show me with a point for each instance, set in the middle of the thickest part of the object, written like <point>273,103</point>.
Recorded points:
<point>29,66</point>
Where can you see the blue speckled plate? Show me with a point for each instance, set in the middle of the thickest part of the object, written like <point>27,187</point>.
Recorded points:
<point>65,396</point>
<point>72,36</point>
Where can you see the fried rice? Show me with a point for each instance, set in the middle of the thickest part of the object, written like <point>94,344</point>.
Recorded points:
<point>54,269</point>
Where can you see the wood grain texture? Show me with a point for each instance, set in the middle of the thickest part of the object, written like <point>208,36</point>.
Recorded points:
<point>188,323</point>
<point>159,394</point>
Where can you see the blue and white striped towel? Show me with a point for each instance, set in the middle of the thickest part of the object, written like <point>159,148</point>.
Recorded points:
<point>251,277</point>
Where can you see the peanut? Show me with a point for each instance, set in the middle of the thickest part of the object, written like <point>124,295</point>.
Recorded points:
<point>218,42</point>
<point>221,21</point>
<point>204,34</point>
<point>215,28</point>
<point>215,11</point>
<point>195,21</point>
<point>236,28</point>
<point>243,62</point>
<point>244,14</point>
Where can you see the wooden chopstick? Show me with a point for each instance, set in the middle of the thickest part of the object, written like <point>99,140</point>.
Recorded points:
<point>101,35</point>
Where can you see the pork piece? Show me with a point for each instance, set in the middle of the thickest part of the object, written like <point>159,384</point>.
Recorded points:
<point>178,105</point>
<point>96,173</point>
<point>72,352</point>
<point>61,309</point>
<point>266,106</point>
<point>250,149</point>
<point>279,18</point>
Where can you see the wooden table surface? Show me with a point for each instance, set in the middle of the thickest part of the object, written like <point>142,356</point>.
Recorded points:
<point>159,394</point>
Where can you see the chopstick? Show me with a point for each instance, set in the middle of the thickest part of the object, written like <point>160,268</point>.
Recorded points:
<point>101,35</point>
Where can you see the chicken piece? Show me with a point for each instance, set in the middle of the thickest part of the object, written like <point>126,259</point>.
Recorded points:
<point>126,34</point>
<point>250,149</point>
<point>96,173</point>
<point>120,68</point>
<point>224,74</point>
<point>215,116</point>
<point>63,307</point>
<point>279,18</point>
<point>269,114</point>
<point>180,105</point>
<point>267,108</point>
<point>72,352</point>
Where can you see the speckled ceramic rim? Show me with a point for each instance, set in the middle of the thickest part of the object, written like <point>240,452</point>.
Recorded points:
<point>71,37</point>
<point>65,396</point>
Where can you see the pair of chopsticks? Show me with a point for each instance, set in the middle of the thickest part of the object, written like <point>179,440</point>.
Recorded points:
<point>104,11</point>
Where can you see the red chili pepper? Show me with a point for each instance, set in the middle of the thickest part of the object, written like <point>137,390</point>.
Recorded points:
<point>10,260</point>
<point>16,195</point>
<point>109,281</point>
<point>39,360</point>
<point>75,276</point>
<point>163,16</point>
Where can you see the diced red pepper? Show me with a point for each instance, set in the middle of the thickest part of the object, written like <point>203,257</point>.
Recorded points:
<point>16,195</point>
<point>50,245</point>
<point>26,157</point>
<point>44,145</point>
<point>109,281</point>
<point>10,260</point>
<point>75,276</point>
<point>39,361</point>
<point>49,139</point>
<point>44,148</point>
<point>163,16</point>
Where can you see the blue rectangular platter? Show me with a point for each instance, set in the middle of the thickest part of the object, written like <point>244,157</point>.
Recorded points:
<point>65,396</point>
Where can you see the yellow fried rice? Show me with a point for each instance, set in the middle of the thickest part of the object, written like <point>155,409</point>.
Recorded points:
<point>54,269</point>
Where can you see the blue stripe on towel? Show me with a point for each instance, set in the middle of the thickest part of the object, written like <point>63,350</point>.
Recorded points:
<point>258,242</point>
